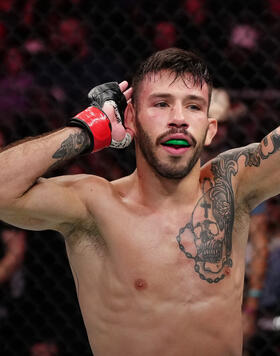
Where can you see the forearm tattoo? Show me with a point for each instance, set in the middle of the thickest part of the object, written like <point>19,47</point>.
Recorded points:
<point>212,219</point>
<point>73,145</point>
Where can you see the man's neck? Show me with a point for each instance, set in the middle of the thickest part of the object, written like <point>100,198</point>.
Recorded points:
<point>153,190</point>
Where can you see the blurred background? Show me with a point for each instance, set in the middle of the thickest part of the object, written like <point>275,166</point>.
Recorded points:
<point>52,53</point>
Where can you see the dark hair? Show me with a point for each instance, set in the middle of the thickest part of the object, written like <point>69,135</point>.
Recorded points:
<point>177,61</point>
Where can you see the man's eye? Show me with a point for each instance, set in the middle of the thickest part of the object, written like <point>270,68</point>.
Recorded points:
<point>194,107</point>
<point>161,104</point>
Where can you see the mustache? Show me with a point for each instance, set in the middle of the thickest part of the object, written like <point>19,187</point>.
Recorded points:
<point>177,130</point>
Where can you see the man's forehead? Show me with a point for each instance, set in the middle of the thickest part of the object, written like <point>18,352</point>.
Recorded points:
<point>167,80</point>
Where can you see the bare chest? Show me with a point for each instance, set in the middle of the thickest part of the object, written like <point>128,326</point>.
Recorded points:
<point>193,245</point>
<point>176,251</point>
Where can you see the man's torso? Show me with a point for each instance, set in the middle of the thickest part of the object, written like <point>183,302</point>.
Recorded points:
<point>163,281</point>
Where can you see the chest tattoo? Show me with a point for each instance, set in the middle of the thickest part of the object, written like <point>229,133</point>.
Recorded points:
<point>212,219</point>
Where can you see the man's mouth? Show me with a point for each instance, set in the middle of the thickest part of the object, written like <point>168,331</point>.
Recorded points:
<point>176,143</point>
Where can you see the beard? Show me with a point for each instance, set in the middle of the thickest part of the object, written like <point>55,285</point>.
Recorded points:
<point>173,169</point>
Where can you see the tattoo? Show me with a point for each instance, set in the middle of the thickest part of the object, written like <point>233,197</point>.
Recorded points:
<point>212,219</point>
<point>270,144</point>
<point>72,146</point>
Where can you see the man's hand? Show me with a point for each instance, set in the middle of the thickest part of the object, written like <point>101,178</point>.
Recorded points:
<point>103,119</point>
<point>121,137</point>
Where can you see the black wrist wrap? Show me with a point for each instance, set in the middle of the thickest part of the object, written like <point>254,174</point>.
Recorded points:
<point>105,92</point>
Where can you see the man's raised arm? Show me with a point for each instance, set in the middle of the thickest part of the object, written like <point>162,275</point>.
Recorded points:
<point>259,167</point>
<point>30,202</point>
<point>24,162</point>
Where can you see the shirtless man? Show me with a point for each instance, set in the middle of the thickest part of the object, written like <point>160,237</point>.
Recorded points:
<point>157,256</point>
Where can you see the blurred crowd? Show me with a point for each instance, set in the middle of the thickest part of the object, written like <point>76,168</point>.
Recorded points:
<point>52,53</point>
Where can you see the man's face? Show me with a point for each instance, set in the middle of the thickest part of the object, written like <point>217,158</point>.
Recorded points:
<point>171,123</point>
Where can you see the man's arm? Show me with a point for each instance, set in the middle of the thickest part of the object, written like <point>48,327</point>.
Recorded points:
<point>30,202</point>
<point>259,170</point>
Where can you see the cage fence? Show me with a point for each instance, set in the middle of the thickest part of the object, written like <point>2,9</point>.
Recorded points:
<point>52,53</point>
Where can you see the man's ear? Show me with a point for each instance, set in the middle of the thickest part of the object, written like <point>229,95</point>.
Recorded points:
<point>129,118</point>
<point>212,130</point>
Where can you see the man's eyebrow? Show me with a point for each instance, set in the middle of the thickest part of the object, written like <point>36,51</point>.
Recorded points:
<point>187,97</point>
<point>160,95</point>
<point>196,98</point>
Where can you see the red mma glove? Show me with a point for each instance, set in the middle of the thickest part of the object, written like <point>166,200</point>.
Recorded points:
<point>96,122</point>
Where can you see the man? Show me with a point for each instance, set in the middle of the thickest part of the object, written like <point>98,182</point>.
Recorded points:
<point>157,256</point>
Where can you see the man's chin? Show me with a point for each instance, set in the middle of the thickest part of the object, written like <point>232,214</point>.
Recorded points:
<point>171,172</point>
<point>175,167</point>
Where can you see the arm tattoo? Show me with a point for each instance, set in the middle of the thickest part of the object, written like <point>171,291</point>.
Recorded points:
<point>212,219</point>
<point>72,146</point>
<point>270,143</point>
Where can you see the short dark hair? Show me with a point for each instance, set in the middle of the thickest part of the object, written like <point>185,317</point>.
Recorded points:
<point>177,61</point>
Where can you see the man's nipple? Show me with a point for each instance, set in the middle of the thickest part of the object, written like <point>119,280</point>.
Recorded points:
<point>140,284</point>
<point>227,271</point>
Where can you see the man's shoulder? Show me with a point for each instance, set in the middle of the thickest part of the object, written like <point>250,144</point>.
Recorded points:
<point>73,178</point>
<point>229,173</point>
<point>225,168</point>
<point>79,182</point>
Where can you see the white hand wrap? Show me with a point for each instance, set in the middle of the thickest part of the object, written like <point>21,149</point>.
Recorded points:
<point>123,143</point>
<point>127,139</point>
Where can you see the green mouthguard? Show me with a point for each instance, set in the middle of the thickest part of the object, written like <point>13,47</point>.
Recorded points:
<point>177,143</point>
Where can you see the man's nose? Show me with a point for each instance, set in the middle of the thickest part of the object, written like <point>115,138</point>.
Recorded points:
<point>177,117</point>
